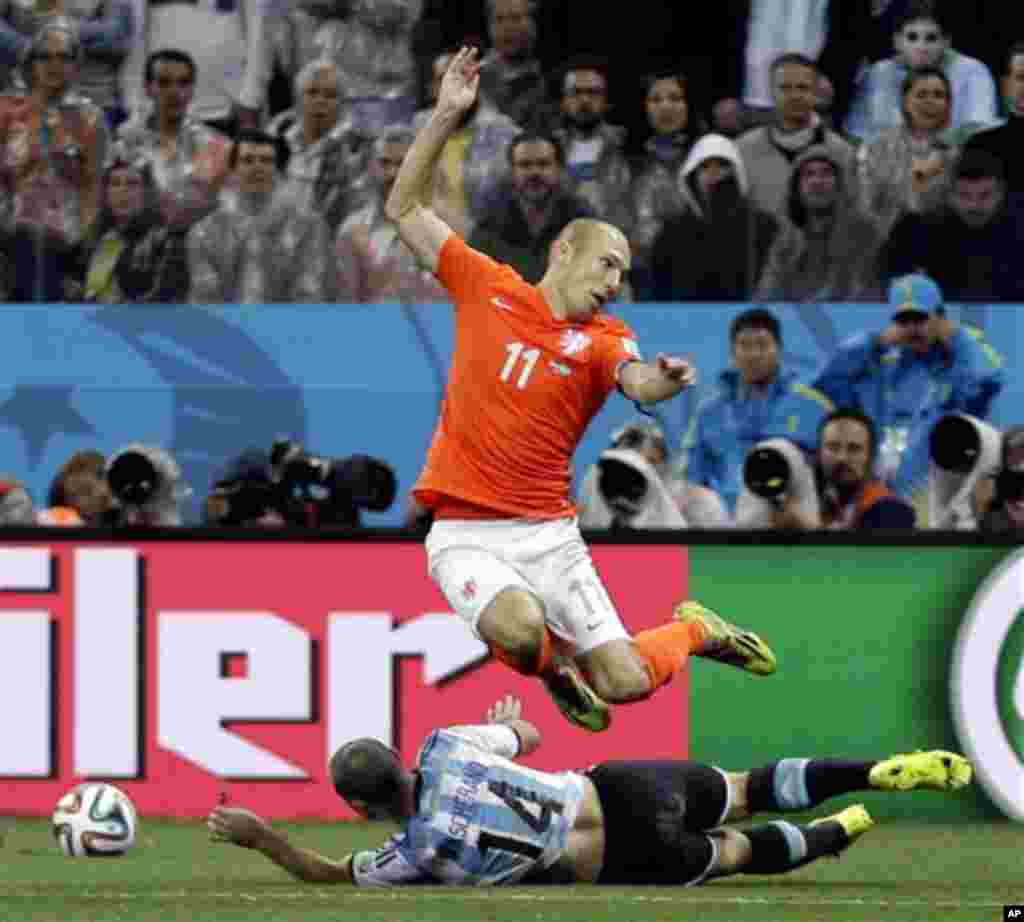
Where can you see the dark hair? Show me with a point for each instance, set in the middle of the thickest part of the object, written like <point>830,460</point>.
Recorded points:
<point>262,138</point>
<point>365,769</point>
<point>81,462</point>
<point>756,319</point>
<point>582,62</point>
<point>792,57</point>
<point>534,137</point>
<point>924,9</point>
<point>978,164</point>
<point>667,74</point>
<point>1016,49</point>
<point>857,416</point>
<point>175,56</point>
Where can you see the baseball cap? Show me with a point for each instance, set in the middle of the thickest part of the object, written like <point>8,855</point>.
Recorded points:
<point>914,295</point>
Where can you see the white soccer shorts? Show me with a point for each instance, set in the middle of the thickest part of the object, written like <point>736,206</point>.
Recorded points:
<point>473,560</point>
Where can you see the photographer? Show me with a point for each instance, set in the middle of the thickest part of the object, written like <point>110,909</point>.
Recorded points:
<point>630,486</point>
<point>758,399</point>
<point>1004,512</point>
<point>975,475</point>
<point>919,368</point>
<point>288,486</point>
<point>840,492</point>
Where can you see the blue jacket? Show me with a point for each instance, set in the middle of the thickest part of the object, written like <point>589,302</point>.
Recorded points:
<point>899,389</point>
<point>730,422</point>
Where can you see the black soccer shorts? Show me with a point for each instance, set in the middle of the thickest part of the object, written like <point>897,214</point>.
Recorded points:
<point>656,814</point>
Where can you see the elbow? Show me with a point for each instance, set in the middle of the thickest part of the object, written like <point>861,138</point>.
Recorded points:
<point>395,208</point>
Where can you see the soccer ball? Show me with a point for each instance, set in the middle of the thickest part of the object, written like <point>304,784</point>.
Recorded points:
<point>94,819</point>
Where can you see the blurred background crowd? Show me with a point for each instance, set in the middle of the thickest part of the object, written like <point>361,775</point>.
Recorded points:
<point>769,151</point>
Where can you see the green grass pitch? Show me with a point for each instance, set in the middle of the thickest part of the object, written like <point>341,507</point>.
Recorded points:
<point>899,871</point>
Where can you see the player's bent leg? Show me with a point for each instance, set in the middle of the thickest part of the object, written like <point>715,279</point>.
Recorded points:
<point>513,626</point>
<point>781,846</point>
<point>615,671</point>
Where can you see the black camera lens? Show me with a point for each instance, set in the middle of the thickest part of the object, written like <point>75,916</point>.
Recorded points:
<point>618,482</point>
<point>955,444</point>
<point>766,473</point>
<point>133,478</point>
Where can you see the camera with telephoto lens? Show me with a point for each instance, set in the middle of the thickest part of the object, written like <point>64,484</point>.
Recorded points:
<point>623,482</point>
<point>300,488</point>
<point>766,473</point>
<point>146,485</point>
<point>337,488</point>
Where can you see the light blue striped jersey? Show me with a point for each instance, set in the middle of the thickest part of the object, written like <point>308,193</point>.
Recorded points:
<point>481,819</point>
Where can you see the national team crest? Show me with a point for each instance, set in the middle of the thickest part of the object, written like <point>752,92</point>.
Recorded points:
<point>469,589</point>
<point>573,342</point>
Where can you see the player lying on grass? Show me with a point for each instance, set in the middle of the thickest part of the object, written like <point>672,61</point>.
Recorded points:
<point>471,816</point>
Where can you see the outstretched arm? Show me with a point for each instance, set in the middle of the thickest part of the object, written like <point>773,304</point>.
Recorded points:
<point>419,225</point>
<point>652,383</point>
<point>243,827</point>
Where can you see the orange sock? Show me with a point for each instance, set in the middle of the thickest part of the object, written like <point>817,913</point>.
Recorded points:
<point>666,648</point>
<point>543,662</point>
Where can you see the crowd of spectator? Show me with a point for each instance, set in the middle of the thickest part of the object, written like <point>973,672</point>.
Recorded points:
<point>153,151</point>
<point>240,151</point>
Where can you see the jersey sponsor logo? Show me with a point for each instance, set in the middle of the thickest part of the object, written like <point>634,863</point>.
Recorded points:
<point>469,589</point>
<point>989,653</point>
<point>573,342</point>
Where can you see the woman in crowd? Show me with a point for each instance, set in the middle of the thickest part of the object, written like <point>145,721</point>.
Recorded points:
<point>130,256</point>
<point>655,188</point>
<point>906,168</point>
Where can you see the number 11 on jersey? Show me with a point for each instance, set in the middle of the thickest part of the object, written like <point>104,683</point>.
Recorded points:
<point>515,352</point>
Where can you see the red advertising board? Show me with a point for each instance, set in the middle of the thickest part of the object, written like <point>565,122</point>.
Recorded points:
<point>191,671</point>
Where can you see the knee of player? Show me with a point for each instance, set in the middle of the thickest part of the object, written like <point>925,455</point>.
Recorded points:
<point>732,851</point>
<point>514,623</point>
<point>625,679</point>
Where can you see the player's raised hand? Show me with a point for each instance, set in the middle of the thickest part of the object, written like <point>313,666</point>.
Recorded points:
<point>505,710</point>
<point>237,825</point>
<point>677,369</point>
<point>461,81</point>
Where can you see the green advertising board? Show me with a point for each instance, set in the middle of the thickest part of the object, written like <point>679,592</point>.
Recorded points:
<point>865,638</point>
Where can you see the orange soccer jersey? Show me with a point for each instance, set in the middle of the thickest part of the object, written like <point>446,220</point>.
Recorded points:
<point>522,389</point>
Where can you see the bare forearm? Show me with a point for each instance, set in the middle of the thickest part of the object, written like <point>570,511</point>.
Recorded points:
<point>529,736</point>
<point>418,165</point>
<point>648,384</point>
<point>303,863</point>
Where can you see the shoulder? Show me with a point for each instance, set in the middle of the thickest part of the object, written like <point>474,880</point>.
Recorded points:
<point>723,392</point>
<point>752,139</point>
<point>806,393</point>
<point>838,143</point>
<point>885,68</point>
<point>610,325</point>
<point>965,66</point>
<point>458,258</point>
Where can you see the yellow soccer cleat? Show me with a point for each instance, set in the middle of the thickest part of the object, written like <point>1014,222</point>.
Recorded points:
<point>726,643</point>
<point>934,770</point>
<point>855,821</point>
<point>576,699</point>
